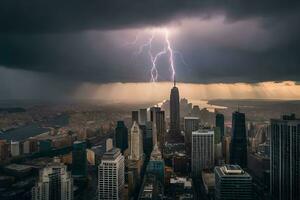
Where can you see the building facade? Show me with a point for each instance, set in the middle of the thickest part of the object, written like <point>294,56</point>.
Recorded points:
<point>54,183</point>
<point>135,142</point>
<point>174,112</point>
<point>220,124</point>
<point>285,158</point>
<point>202,151</point>
<point>232,183</point>
<point>190,124</point>
<point>121,136</point>
<point>79,159</point>
<point>238,145</point>
<point>111,176</point>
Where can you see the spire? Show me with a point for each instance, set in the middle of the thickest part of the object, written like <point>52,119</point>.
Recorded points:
<point>174,81</point>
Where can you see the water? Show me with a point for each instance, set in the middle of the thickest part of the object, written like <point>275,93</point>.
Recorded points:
<point>33,129</point>
<point>205,104</point>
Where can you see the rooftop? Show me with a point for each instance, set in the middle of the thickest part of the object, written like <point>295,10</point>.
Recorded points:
<point>208,179</point>
<point>111,154</point>
<point>231,170</point>
<point>203,132</point>
<point>18,167</point>
<point>196,118</point>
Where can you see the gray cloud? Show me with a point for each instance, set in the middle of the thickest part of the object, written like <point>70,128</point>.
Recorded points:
<point>73,39</point>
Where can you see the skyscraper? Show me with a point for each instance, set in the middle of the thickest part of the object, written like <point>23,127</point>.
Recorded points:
<point>238,145</point>
<point>190,124</point>
<point>148,139</point>
<point>121,136</point>
<point>135,142</point>
<point>143,116</point>
<point>232,183</point>
<point>79,159</point>
<point>285,158</point>
<point>174,110</point>
<point>160,128</point>
<point>220,123</point>
<point>174,133</point>
<point>4,150</point>
<point>153,111</point>
<point>156,165</point>
<point>135,116</point>
<point>111,176</point>
<point>54,183</point>
<point>202,151</point>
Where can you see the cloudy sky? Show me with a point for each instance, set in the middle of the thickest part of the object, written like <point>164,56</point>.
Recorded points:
<point>54,49</point>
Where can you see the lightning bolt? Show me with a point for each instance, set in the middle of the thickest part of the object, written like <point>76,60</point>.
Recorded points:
<point>171,54</point>
<point>167,50</point>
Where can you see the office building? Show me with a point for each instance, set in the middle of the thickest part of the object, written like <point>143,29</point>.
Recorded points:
<point>156,165</point>
<point>153,111</point>
<point>30,146</point>
<point>135,142</point>
<point>108,144</point>
<point>151,188</point>
<point>79,159</point>
<point>148,139</point>
<point>190,124</point>
<point>174,133</point>
<point>135,116</point>
<point>54,183</point>
<point>238,145</point>
<point>15,148</point>
<point>4,150</point>
<point>143,116</point>
<point>220,124</point>
<point>121,136</point>
<point>160,128</point>
<point>111,176</point>
<point>285,158</point>
<point>202,151</point>
<point>232,183</point>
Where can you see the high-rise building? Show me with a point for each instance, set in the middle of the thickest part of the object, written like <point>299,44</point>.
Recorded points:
<point>285,158</point>
<point>15,148</point>
<point>79,159</point>
<point>121,136</point>
<point>153,111</point>
<point>232,183</point>
<point>143,116</point>
<point>30,146</point>
<point>109,144</point>
<point>238,145</point>
<point>4,150</point>
<point>220,123</point>
<point>111,176</point>
<point>54,183</point>
<point>151,188</point>
<point>135,142</point>
<point>148,139</point>
<point>160,128</point>
<point>190,124</point>
<point>202,151</point>
<point>156,165</point>
<point>174,113</point>
<point>135,116</point>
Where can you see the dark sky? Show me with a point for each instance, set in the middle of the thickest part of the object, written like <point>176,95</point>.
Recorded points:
<point>59,44</point>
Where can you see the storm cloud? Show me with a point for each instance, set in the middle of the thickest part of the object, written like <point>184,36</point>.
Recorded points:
<point>224,41</point>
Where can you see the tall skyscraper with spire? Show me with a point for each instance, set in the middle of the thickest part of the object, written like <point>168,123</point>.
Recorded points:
<point>135,142</point>
<point>174,113</point>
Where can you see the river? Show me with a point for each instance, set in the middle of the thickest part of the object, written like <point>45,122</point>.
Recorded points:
<point>33,129</point>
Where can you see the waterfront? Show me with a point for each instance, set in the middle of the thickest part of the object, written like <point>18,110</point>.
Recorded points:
<point>33,129</point>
